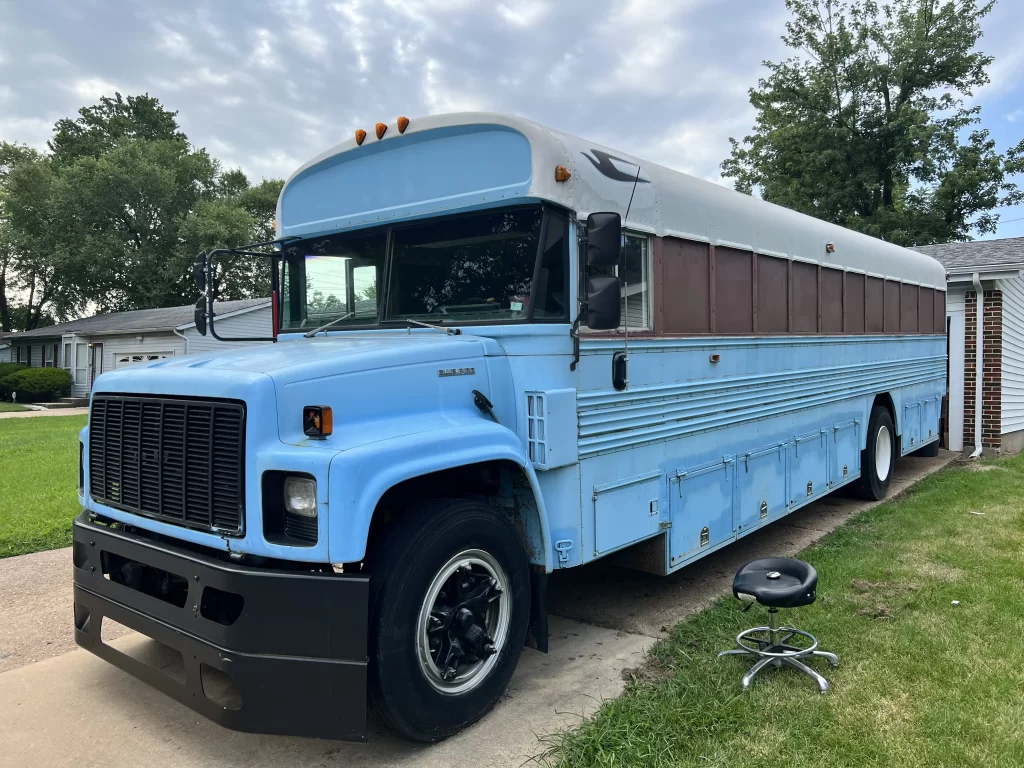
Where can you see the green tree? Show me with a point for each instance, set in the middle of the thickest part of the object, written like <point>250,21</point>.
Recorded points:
<point>868,127</point>
<point>112,217</point>
<point>27,266</point>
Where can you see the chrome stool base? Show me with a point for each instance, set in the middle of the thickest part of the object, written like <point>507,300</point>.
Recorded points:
<point>774,651</point>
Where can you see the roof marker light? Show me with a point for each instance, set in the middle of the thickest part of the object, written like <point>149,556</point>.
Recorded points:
<point>403,123</point>
<point>562,173</point>
<point>360,136</point>
<point>381,130</point>
<point>830,248</point>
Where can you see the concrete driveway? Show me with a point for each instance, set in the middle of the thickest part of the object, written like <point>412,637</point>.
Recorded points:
<point>67,707</point>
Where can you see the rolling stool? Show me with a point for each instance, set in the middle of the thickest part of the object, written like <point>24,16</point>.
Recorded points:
<point>777,582</point>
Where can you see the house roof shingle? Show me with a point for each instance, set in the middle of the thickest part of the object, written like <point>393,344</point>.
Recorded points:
<point>968,257</point>
<point>165,318</point>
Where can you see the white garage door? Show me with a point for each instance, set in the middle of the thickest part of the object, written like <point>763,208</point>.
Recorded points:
<point>126,359</point>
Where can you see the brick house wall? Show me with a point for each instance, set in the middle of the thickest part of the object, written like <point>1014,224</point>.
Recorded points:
<point>992,361</point>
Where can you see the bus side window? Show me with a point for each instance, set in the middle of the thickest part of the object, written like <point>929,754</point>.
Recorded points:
<point>633,271</point>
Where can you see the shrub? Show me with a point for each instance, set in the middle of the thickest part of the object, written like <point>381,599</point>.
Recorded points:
<point>8,370</point>
<point>35,384</point>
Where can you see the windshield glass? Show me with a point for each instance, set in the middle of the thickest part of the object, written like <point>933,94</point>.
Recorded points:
<point>333,280</point>
<point>476,268</point>
<point>461,269</point>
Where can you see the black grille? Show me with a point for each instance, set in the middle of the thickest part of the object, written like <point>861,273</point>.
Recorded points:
<point>301,528</point>
<point>173,459</point>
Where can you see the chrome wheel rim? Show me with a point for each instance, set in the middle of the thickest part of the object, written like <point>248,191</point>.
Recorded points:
<point>463,622</point>
<point>883,453</point>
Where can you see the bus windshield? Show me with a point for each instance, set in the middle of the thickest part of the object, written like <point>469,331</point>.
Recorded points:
<point>463,269</point>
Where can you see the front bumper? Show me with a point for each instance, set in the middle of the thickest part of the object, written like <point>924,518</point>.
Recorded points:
<point>293,643</point>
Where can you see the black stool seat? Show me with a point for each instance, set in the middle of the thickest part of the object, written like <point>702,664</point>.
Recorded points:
<point>777,582</point>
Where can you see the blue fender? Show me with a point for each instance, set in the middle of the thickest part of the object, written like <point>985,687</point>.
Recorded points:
<point>360,476</point>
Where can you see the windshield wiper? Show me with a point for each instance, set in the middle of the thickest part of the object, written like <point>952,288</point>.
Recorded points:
<point>325,326</point>
<point>452,331</point>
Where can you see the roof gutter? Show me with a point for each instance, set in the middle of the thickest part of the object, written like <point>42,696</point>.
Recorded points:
<point>979,341</point>
<point>984,274</point>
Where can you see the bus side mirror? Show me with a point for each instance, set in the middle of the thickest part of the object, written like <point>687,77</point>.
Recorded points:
<point>604,302</point>
<point>604,239</point>
<point>200,316</point>
<point>199,270</point>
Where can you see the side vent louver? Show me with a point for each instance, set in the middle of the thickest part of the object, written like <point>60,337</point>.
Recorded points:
<point>535,424</point>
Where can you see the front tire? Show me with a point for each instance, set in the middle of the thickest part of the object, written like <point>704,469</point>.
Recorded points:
<point>450,607</point>
<point>878,459</point>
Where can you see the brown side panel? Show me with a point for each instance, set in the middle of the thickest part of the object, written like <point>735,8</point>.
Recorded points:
<point>659,286</point>
<point>734,291</point>
<point>854,303</point>
<point>805,297</point>
<point>685,301</point>
<point>832,300</point>
<point>892,307</point>
<point>926,311</point>
<point>939,320</point>
<point>772,294</point>
<point>908,308</point>
<point>874,304</point>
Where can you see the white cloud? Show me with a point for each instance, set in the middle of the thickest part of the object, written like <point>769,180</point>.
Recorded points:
<point>523,14</point>
<point>173,42</point>
<point>265,86</point>
<point>33,131</point>
<point>441,96</point>
<point>89,89</point>
<point>263,51</point>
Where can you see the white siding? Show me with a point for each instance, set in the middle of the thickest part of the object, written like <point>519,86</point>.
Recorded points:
<point>254,323</point>
<point>5,354</point>
<point>955,297</point>
<point>1013,354</point>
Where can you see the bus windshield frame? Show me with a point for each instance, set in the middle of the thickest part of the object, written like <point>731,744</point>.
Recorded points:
<point>480,268</point>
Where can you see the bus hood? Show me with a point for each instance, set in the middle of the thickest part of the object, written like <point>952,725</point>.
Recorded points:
<point>309,359</point>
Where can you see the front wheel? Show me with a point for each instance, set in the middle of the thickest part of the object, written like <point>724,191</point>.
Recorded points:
<point>878,459</point>
<point>450,607</point>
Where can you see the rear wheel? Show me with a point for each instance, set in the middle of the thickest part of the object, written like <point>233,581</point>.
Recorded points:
<point>450,607</point>
<point>878,458</point>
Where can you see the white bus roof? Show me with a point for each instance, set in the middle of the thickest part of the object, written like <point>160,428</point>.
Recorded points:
<point>445,163</point>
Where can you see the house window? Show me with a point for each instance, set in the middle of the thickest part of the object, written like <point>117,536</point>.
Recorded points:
<point>81,363</point>
<point>633,271</point>
<point>67,357</point>
<point>49,355</point>
<point>25,355</point>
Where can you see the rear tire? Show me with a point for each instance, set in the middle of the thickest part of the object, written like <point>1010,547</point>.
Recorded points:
<point>433,589</point>
<point>878,459</point>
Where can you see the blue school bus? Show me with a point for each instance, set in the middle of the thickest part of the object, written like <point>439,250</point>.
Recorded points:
<point>501,351</point>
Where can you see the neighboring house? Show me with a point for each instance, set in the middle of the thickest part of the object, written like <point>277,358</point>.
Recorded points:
<point>5,348</point>
<point>989,358</point>
<point>88,347</point>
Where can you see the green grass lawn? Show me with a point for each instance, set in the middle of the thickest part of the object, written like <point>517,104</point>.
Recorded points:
<point>922,682</point>
<point>38,482</point>
<point>10,407</point>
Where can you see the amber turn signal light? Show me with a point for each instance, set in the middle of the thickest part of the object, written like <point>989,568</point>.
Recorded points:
<point>562,173</point>
<point>381,130</point>
<point>403,123</point>
<point>317,420</point>
<point>360,136</point>
<point>830,248</point>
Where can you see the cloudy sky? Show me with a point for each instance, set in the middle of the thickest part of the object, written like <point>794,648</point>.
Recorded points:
<point>267,85</point>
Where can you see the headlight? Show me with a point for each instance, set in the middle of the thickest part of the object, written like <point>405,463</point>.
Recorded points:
<point>300,496</point>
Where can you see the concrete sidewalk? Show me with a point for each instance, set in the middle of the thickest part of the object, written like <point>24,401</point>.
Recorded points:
<point>54,412</point>
<point>75,709</point>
